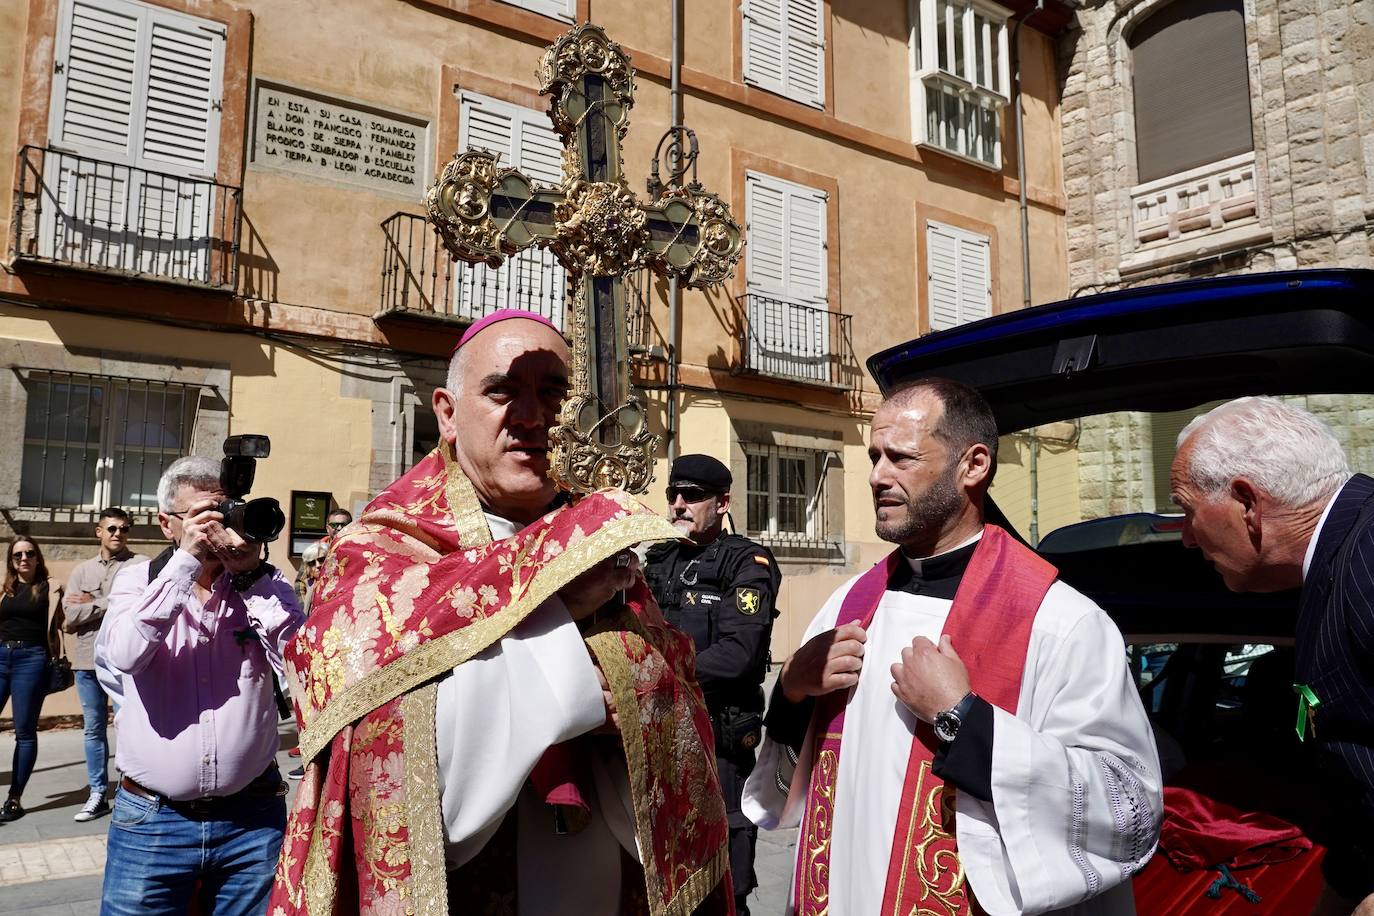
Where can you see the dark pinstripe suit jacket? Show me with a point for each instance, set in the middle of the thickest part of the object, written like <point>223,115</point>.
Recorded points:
<point>1335,657</point>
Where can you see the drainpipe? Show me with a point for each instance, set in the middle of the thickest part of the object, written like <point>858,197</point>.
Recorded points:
<point>674,318</point>
<point>1034,462</point>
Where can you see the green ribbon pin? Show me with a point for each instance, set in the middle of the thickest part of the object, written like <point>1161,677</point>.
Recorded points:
<point>1307,710</point>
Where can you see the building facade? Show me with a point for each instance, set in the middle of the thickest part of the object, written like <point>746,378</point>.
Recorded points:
<point>216,229</point>
<point>1202,138</point>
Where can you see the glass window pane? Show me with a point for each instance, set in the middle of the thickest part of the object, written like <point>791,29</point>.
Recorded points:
<point>61,443</point>
<point>957,26</point>
<point>942,27</point>
<point>935,131</point>
<point>758,494</point>
<point>150,427</point>
<point>53,476</point>
<point>995,82</point>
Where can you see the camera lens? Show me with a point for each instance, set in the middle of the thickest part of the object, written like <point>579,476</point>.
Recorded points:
<point>256,520</point>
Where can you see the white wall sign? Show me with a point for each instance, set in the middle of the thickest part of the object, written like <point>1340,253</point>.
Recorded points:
<point>340,141</point>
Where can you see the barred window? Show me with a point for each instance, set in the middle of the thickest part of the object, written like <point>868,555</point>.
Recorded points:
<point>785,494</point>
<point>92,441</point>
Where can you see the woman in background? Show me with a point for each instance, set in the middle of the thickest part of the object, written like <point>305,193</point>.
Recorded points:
<point>28,601</point>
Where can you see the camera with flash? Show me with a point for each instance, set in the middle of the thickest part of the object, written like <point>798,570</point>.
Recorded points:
<point>256,520</point>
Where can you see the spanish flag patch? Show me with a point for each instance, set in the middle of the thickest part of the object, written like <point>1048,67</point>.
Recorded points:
<point>760,559</point>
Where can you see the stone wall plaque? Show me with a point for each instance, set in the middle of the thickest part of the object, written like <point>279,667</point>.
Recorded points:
<point>340,141</point>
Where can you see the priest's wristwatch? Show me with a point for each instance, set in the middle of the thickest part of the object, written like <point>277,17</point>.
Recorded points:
<point>947,723</point>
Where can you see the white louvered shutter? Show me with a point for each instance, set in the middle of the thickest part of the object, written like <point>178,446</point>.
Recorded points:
<point>958,274</point>
<point>806,245</point>
<point>522,139</point>
<point>787,277</point>
<point>805,43</point>
<point>181,119</point>
<point>136,93</point>
<point>765,266</point>
<point>94,86</point>
<point>764,46</point>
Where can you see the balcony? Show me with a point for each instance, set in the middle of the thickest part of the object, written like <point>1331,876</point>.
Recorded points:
<point>92,214</point>
<point>801,343</point>
<point>1210,209</point>
<point>421,281</point>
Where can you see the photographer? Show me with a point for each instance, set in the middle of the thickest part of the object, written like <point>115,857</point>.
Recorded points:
<point>194,637</point>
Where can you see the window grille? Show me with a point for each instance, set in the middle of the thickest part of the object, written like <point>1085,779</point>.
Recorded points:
<point>785,495</point>
<point>92,441</point>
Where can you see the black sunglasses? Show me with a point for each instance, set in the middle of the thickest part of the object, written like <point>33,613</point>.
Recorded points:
<point>118,529</point>
<point>336,525</point>
<point>688,494</point>
<point>21,554</point>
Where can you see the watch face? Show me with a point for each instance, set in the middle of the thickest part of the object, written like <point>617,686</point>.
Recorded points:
<point>946,726</point>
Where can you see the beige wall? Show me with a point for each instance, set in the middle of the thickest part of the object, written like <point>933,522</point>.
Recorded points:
<point>313,250</point>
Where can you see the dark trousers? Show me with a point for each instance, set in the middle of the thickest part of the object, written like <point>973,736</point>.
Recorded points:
<point>24,682</point>
<point>734,770</point>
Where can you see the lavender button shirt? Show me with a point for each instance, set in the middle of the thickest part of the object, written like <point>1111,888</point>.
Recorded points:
<point>198,716</point>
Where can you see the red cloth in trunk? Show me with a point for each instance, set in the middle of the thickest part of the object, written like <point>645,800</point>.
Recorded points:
<point>1201,832</point>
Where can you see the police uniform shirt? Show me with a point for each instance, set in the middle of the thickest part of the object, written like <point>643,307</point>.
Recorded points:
<point>722,595</point>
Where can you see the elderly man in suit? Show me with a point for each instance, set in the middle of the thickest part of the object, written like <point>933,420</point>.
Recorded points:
<point>1269,499</point>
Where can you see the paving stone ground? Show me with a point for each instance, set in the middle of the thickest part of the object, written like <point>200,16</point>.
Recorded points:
<point>52,866</point>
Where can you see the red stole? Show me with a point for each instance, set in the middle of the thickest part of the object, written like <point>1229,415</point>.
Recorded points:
<point>990,624</point>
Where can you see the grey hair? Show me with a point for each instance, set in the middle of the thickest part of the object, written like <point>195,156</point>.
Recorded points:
<point>454,382</point>
<point>1283,449</point>
<point>194,471</point>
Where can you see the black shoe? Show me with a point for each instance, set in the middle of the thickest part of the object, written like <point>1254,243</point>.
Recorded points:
<point>12,811</point>
<point>297,773</point>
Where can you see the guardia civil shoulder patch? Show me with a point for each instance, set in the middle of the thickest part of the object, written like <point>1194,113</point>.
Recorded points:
<point>747,600</point>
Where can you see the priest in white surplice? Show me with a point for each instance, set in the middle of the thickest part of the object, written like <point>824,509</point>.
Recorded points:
<point>959,660</point>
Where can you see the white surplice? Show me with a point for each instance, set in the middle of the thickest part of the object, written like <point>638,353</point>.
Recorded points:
<point>1077,797</point>
<point>496,714</point>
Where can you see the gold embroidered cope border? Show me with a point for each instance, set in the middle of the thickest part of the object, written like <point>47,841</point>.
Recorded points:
<point>603,641</point>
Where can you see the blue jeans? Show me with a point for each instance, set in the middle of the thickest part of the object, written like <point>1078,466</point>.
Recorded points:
<point>95,711</point>
<point>156,857</point>
<point>24,681</point>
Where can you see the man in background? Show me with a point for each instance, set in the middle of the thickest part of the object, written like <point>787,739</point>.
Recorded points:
<point>83,609</point>
<point>721,590</point>
<point>1268,497</point>
<point>196,638</point>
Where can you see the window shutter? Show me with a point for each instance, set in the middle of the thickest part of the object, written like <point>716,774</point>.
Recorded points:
<point>139,81</point>
<point>556,9</point>
<point>974,280</point>
<point>539,151</point>
<point>489,125</point>
<point>1191,87</point>
<point>764,208</point>
<point>764,48</point>
<point>942,276</point>
<point>181,120</point>
<point>805,45</point>
<point>958,273</point>
<point>522,139</point>
<point>806,245</point>
<point>93,91</point>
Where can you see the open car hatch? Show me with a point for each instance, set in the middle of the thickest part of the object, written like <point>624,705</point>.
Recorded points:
<point>1157,348</point>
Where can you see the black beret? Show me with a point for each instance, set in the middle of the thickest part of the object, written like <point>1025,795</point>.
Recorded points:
<point>702,470</point>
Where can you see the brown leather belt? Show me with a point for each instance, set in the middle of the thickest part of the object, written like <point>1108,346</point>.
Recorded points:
<point>267,785</point>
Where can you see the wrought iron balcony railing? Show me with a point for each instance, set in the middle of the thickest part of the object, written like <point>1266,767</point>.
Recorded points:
<point>79,211</point>
<point>800,342</point>
<point>420,278</point>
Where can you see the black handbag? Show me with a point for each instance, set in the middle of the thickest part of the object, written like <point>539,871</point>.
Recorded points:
<point>60,673</point>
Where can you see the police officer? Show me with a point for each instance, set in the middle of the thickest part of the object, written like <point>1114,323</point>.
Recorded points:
<point>720,589</point>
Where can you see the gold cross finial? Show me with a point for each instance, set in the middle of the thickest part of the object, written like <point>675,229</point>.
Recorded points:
<point>599,232</point>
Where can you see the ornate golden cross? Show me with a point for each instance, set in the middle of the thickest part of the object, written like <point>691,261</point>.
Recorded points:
<point>599,232</point>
